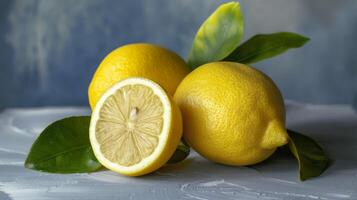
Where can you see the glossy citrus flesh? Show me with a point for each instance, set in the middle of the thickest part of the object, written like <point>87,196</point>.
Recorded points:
<point>135,127</point>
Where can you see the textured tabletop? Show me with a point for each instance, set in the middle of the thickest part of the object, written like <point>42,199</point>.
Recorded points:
<point>334,127</point>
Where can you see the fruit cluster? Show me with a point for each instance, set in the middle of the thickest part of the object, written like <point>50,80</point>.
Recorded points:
<point>144,98</point>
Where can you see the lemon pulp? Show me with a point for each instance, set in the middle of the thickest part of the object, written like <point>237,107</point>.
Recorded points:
<point>131,128</point>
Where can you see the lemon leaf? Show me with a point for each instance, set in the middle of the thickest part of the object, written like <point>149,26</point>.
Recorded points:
<point>310,156</point>
<point>64,147</point>
<point>218,36</point>
<point>264,46</point>
<point>181,153</point>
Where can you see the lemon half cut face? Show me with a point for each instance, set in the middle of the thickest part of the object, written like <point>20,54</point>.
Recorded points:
<point>135,127</point>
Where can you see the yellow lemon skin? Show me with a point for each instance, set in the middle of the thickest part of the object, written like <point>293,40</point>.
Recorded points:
<point>232,114</point>
<point>138,60</point>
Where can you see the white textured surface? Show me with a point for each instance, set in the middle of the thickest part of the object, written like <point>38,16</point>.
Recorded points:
<point>334,127</point>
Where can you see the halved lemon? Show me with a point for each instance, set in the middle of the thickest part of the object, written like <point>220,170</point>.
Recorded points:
<point>135,127</point>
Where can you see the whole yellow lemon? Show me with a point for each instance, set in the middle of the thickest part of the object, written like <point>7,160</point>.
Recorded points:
<point>232,113</point>
<point>138,60</point>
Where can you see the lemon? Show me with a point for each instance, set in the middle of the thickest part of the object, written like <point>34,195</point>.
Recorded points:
<point>232,114</point>
<point>138,60</point>
<point>135,127</point>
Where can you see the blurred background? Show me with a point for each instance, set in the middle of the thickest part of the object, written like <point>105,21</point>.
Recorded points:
<point>49,49</point>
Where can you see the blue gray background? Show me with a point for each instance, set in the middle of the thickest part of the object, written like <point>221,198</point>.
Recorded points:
<point>49,49</point>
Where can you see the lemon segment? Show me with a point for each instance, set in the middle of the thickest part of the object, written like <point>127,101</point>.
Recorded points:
<point>135,127</point>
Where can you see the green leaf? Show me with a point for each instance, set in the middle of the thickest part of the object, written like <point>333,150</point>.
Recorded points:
<point>181,153</point>
<point>264,46</point>
<point>218,36</point>
<point>312,159</point>
<point>64,147</point>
